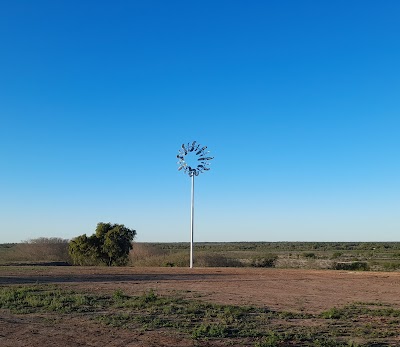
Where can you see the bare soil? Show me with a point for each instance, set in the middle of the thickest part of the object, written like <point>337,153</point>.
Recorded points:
<point>276,289</point>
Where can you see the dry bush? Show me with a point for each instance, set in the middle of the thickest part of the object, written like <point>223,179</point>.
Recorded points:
<point>141,251</point>
<point>144,254</point>
<point>179,259</point>
<point>216,260</point>
<point>351,266</point>
<point>40,250</point>
<point>265,260</point>
<point>301,263</point>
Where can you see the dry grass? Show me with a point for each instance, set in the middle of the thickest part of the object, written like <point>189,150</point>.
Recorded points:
<point>144,254</point>
<point>37,250</point>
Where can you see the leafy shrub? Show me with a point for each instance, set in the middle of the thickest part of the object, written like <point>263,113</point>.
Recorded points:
<point>109,245</point>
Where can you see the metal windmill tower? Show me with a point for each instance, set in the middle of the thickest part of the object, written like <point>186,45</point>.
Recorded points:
<point>201,164</point>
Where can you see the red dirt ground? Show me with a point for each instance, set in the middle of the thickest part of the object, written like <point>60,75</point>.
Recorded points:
<point>284,290</point>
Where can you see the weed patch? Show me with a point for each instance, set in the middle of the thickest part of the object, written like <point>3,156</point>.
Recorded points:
<point>372,323</point>
<point>44,299</point>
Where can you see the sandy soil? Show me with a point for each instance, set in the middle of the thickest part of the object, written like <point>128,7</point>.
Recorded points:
<point>277,289</point>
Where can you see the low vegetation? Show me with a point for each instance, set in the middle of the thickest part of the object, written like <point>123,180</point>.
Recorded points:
<point>351,266</point>
<point>358,324</point>
<point>347,256</point>
<point>42,250</point>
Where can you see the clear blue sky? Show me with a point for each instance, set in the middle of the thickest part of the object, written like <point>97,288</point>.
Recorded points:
<point>299,102</point>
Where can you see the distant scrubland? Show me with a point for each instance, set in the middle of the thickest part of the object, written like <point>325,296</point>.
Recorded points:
<point>40,250</point>
<point>375,256</point>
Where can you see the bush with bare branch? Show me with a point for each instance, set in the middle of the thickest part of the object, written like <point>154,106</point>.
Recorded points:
<point>42,249</point>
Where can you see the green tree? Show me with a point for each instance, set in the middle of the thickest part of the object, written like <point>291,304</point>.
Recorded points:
<point>109,245</point>
<point>84,250</point>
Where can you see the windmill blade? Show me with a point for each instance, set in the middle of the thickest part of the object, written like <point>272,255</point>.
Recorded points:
<point>184,149</point>
<point>201,150</point>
